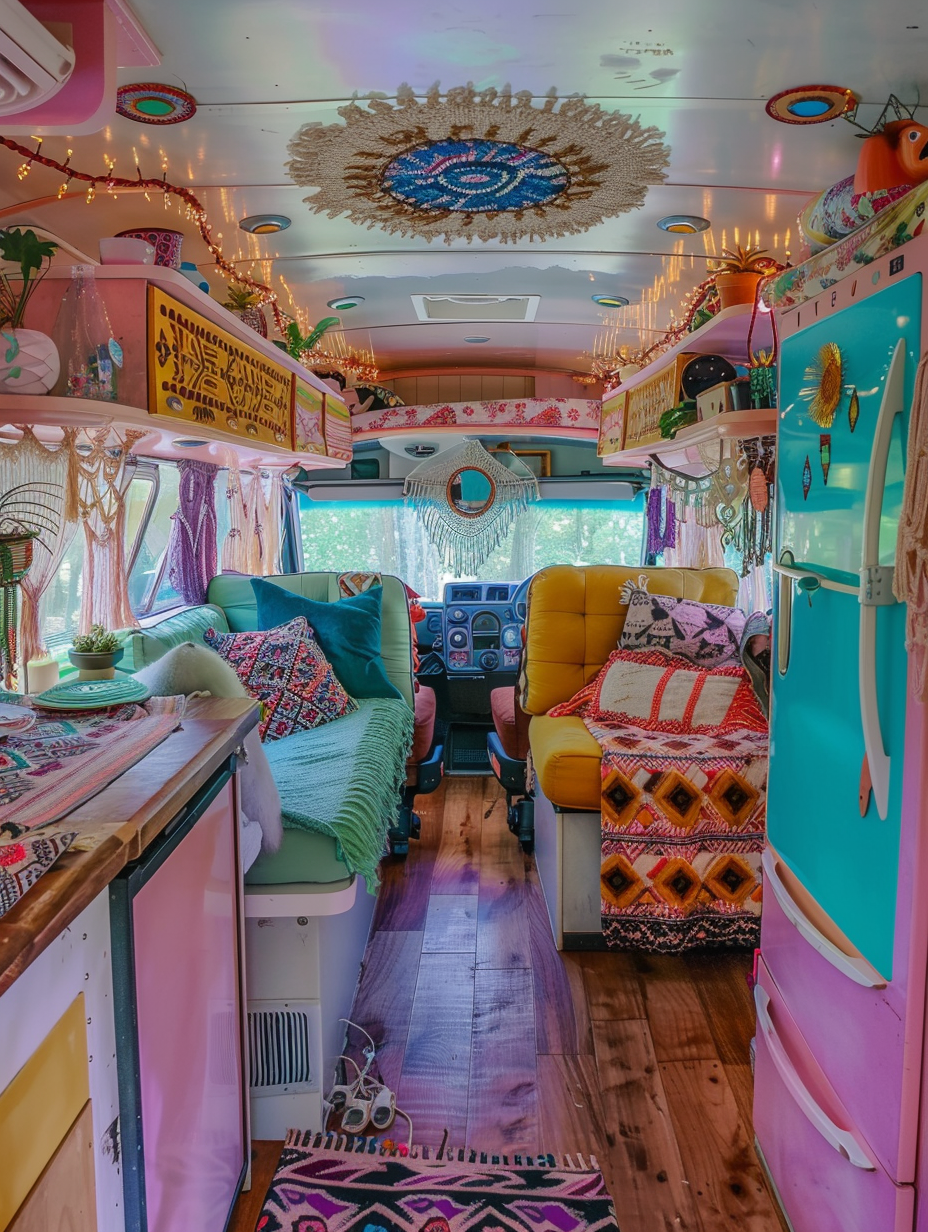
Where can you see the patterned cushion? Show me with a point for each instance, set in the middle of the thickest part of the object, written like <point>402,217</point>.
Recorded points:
<point>24,860</point>
<point>654,691</point>
<point>704,633</point>
<point>285,669</point>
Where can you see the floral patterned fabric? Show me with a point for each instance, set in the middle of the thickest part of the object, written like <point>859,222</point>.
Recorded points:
<point>286,670</point>
<point>580,414</point>
<point>705,633</point>
<point>23,861</point>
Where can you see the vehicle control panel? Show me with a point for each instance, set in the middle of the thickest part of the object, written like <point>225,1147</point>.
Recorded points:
<point>480,631</point>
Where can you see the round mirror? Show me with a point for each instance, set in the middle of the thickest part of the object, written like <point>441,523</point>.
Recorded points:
<point>470,492</point>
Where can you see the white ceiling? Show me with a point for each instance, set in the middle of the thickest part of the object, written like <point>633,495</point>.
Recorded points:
<point>700,72</point>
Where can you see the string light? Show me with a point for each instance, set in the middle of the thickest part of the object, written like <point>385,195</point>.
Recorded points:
<point>185,195</point>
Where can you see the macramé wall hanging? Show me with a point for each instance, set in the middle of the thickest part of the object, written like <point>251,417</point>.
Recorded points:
<point>483,164</point>
<point>466,500</point>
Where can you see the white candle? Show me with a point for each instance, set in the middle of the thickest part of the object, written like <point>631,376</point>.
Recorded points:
<point>41,674</point>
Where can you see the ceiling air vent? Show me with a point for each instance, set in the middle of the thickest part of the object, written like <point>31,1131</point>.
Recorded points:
<point>34,65</point>
<point>476,307</point>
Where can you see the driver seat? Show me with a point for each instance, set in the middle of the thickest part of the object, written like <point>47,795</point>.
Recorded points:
<point>507,746</point>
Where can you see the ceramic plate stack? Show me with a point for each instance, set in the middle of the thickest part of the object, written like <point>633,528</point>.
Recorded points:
<point>14,719</point>
<point>92,694</point>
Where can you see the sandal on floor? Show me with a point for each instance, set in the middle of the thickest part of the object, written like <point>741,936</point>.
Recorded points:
<point>357,1113</point>
<point>343,1092</point>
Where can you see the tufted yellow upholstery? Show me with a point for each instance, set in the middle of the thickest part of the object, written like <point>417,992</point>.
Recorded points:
<point>574,622</point>
<point>567,762</point>
<point>575,618</point>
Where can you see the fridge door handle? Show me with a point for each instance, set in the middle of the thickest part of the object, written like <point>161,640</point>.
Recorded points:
<point>876,582</point>
<point>841,1140</point>
<point>855,968</point>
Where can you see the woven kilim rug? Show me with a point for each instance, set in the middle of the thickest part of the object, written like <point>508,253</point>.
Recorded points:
<point>325,1183</point>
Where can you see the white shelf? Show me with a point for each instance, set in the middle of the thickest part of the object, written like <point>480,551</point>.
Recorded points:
<point>682,452</point>
<point>726,335</point>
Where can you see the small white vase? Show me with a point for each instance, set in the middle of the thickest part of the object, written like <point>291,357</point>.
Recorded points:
<point>29,362</point>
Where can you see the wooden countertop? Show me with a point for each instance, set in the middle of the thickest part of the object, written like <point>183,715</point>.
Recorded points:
<point>118,824</point>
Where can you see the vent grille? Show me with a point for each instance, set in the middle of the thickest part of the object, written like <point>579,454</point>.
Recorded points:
<point>280,1039</point>
<point>476,307</point>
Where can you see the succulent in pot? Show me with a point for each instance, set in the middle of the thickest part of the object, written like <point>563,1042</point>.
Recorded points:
<point>246,305</point>
<point>738,271</point>
<point>29,362</point>
<point>95,651</point>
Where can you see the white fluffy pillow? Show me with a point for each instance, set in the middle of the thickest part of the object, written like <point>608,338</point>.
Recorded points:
<point>190,668</point>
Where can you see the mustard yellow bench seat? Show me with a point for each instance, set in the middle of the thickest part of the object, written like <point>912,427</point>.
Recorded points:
<point>566,759</point>
<point>575,619</point>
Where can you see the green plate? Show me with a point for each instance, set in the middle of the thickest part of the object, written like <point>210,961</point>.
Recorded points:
<point>92,694</point>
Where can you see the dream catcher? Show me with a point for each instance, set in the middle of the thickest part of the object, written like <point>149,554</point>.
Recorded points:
<point>26,513</point>
<point>466,499</point>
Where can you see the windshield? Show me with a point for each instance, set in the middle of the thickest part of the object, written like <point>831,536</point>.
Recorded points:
<point>386,536</point>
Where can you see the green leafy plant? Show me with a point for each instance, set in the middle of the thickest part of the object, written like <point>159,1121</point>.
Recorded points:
<point>97,641</point>
<point>297,344</point>
<point>33,256</point>
<point>240,298</point>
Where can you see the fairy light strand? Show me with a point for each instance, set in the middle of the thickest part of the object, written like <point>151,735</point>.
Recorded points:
<point>194,208</point>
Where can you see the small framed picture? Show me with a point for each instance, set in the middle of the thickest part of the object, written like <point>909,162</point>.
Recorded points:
<point>538,461</point>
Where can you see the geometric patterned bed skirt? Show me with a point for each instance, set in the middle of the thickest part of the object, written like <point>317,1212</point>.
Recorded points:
<point>682,836</point>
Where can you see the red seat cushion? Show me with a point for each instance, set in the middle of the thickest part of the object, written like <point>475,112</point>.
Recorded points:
<point>424,730</point>
<point>510,721</point>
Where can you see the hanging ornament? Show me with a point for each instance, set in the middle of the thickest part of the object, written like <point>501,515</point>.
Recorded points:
<point>806,478</point>
<point>824,453</point>
<point>757,489</point>
<point>853,410</point>
<point>826,378</point>
<point>466,499</point>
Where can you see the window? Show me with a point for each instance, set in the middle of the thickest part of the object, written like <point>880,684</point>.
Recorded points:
<point>61,603</point>
<point>387,536</point>
<point>149,506</point>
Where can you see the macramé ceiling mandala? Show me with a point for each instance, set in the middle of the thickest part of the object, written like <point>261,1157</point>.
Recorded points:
<point>485,165</point>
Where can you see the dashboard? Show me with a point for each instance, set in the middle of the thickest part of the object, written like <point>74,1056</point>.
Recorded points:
<point>479,628</point>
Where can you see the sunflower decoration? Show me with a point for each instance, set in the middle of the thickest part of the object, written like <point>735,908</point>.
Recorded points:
<point>826,385</point>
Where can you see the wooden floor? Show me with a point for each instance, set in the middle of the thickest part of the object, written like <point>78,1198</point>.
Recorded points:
<point>486,1032</point>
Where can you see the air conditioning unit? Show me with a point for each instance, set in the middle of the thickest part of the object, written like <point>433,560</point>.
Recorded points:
<point>34,64</point>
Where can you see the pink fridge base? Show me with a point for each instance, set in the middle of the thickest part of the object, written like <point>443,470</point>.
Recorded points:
<point>819,1187</point>
<point>187,972</point>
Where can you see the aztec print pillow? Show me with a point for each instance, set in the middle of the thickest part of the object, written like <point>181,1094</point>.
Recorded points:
<point>285,670</point>
<point>654,691</point>
<point>704,633</point>
<point>24,860</point>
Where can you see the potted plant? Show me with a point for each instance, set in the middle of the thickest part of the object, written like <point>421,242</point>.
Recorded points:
<point>246,305</point>
<point>29,361</point>
<point>738,272</point>
<point>96,651</point>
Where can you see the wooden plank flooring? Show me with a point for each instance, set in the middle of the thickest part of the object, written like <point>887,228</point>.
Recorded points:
<point>486,1032</point>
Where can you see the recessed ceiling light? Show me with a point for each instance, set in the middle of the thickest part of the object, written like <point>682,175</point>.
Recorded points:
<point>188,442</point>
<point>477,338</point>
<point>610,301</point>
<point>811,104</point>
<point>683,224</point>
<point>264,224</point>
<point>345,302</point>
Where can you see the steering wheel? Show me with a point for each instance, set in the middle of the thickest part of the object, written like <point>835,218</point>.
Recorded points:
<point>519,600</point>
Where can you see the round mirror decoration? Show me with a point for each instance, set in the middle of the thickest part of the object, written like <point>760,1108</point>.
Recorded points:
<point>467,500</point>
<point>470,492</point>
<point>472,164</point>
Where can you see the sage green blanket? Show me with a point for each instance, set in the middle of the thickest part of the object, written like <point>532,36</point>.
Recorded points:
<point>345,779</point>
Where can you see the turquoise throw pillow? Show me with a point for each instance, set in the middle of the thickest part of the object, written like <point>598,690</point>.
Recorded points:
<point>348,632</point>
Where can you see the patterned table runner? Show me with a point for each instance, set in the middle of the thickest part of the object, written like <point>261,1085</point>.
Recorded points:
<point>69,756</point>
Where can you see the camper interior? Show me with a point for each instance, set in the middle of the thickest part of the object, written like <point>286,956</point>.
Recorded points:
<point>464,568</point>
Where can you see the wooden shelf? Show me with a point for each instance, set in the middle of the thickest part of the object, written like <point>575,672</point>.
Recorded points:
<point>682,452</point>
<point>726,334</point>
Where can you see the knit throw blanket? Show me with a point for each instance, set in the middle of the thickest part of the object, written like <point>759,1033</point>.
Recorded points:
<point>682,836</point>
<point>345,779</point>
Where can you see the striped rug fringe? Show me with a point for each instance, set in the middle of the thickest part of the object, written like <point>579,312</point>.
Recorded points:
<point>350,1144</point>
